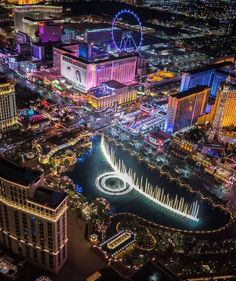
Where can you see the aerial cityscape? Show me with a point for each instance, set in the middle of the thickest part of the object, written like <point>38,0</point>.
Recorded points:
<point>117,140</point>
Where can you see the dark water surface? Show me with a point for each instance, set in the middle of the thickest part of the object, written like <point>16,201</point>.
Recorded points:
<point>92,165</point>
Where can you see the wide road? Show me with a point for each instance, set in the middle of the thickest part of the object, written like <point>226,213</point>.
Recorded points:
<point>21,80</point>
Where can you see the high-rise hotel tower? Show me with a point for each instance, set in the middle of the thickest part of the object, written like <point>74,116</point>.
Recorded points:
<point>184,108</point>
<point>223,111</point>
<point>33,217</point>
<point>8,116</point>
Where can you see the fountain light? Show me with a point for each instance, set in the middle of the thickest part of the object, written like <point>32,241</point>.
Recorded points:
<point>130,181</point>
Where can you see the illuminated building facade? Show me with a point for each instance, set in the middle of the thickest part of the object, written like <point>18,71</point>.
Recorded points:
<point>37,12</point>
<point>218,79</point>
<point>68,36</point>
<point>37,51</point>
<point>142,66</point>
<point>85,74</point>
<point>43,31</point>
<point>111,93</point>
<point>24,2</point>
<point>39,38</point>
<point>23,43</point>
<point>22,64</point>
<point>28,2</point>
<point>50,31</point>
<point>72,49</point>
<point>30,27</point>
<point>196,77</point>
<point>23,49</point>
<point>224,113</point>
<point>183,144</point>
<point>184,108</point>
<point>229,116</point>
<point>22,38</point>
<point>51,149</point>
<point>118,243</point>
<point>33,218</point>
<point>211,76</point>
<point>157,138</point>
<point>8,116</point>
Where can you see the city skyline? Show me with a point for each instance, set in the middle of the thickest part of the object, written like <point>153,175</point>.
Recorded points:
<point>117,140</point>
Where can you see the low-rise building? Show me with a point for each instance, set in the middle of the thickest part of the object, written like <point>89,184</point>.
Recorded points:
<point>158,138</point>
<point>183,144</point>
<point>111,93</point>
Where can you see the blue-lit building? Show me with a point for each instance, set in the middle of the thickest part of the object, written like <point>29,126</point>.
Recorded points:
<point>218,79</point>
<point>191,79</point>
<point>211,76</point>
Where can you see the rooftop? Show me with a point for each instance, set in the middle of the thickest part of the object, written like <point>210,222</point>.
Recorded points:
<point>190,92</point>
<point>18,174</point>
<point>4,80</point>
<point>210,67</point>
<point>114,84</point>
<point>226,73</point>
<point>66,47</point>
<point>49,197</point>
<point>108,88</point>
<point>107,59</point>
<point>39,5</point>
<point>160,134</point>
<point>52,20</point>
<point>64,137</point>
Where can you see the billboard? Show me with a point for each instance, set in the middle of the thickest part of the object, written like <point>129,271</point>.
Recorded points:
<point>74,72</point>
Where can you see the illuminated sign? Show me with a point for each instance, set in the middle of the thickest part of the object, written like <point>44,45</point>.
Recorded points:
<point>74,72</point>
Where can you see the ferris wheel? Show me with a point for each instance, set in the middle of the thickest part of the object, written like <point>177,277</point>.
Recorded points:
<point>127,41</point>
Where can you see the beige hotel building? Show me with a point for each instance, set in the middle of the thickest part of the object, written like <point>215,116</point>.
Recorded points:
<point>8,115</point>
<point>33,217</point>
